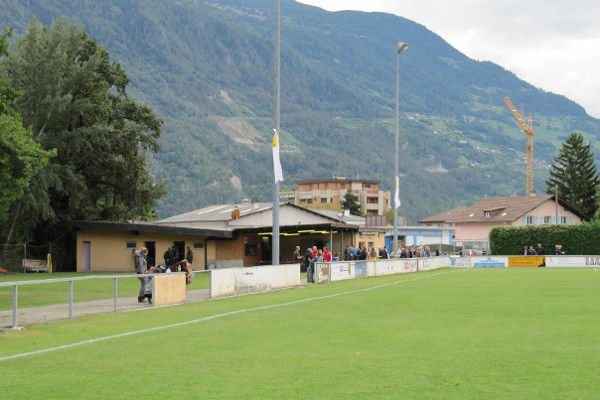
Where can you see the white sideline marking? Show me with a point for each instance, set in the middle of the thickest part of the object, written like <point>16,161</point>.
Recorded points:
<point>142,331</point>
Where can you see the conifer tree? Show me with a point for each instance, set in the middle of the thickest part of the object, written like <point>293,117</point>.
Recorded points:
<point>574,175</point>
<point>350,202</point>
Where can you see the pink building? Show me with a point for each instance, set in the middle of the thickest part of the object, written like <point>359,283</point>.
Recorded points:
<point>474,223</point>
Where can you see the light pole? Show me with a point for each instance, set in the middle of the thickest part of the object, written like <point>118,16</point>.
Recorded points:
<point>275,237</point>
<point>400,47</point>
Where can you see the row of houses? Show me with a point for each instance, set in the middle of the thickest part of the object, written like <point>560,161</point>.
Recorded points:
<point>238,235</point>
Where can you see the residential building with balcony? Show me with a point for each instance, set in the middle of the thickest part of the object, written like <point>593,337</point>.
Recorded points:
<point>329,193</point>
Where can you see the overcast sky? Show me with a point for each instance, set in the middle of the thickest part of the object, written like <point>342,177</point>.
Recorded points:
<point>552,44</point>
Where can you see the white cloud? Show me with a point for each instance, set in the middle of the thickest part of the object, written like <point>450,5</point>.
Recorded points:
<point>552,44</point>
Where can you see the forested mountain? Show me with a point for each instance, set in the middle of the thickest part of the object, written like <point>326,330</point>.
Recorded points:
<point>206,69</point>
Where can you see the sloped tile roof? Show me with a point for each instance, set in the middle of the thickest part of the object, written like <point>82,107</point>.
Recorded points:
<point>501,209</point>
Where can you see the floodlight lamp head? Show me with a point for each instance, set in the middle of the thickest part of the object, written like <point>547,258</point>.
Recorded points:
<point>400,47</point>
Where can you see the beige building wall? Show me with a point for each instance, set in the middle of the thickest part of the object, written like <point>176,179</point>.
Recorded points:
<point>107,251</point>
<point>329,193</point>
<point>544,214</point>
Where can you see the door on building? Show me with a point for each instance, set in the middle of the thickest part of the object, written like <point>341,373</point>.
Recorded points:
<point>266,254</point>
<point>180,246</point>
<point>87,254</point>
<point>151,246</point>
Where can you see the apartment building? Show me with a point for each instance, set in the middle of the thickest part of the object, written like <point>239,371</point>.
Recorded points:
<point>329,193</point>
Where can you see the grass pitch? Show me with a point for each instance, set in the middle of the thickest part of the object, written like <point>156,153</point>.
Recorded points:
<point>479,333</point>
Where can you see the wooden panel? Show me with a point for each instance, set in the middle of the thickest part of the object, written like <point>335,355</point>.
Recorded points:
<point>169,289</point>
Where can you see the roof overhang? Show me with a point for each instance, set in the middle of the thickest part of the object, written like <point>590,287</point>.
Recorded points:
<point>151,228</point>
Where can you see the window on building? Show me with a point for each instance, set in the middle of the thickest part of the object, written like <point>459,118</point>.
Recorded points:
<point>309,201</point>
<point>323,200</point>
<point>198,245</point>
<point>563,220</point>
<point>488,214</point>
<point>131,245</point>
<point>547,220</point>
<point>529,220</point>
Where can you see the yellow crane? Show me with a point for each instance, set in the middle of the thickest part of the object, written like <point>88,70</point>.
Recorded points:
<point>526,125</point>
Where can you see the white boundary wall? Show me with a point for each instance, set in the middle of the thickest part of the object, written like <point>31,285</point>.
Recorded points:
<point>573,261</point>
<point>343,270</point>
<point>235,281</point>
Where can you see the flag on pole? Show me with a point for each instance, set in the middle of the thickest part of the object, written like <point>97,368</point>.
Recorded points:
<point>397,197</point>
<point>276,162</point>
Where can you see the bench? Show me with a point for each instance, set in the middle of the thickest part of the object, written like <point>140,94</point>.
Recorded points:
<point>30,265</point>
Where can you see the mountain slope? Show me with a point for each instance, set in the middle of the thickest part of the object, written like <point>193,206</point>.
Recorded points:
<point>207,69</point>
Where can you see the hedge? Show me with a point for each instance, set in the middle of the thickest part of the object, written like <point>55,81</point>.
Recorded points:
<point>581,239</point>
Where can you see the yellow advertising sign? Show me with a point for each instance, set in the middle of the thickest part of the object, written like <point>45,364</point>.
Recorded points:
<point>527,261</point>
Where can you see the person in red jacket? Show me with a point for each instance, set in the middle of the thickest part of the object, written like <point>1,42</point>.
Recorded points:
<point>326,254</point>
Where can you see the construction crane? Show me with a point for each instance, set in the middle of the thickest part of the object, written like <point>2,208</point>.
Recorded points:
<point>526,125</point>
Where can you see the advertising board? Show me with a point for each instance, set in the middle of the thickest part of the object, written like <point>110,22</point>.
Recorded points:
<point>341,270</point>
<point>526,261</point>
<point>490,261</point>
<point>573,261</point>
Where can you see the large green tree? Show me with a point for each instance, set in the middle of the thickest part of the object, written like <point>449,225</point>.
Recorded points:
<point>74,101</point>
<point>574,175</point>
<point>21,158</point>
<point>350,202</point>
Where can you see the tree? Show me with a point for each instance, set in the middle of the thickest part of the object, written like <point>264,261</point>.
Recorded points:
<point>21,158</point>
<point>574,175</point>
<point>350,202</point>
<point>75,101</point>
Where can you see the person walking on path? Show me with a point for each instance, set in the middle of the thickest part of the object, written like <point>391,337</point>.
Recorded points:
<point>141,267</point>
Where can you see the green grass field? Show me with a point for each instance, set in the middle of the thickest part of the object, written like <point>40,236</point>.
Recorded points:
<point>36,295</point>
<point>516,333</point>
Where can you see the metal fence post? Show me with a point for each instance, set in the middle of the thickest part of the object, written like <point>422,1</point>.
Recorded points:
<point>71,299</point>
<point>14,325</point>
<point>115,294</point>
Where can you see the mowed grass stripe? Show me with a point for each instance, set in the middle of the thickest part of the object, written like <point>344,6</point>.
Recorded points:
<point>509,333</point>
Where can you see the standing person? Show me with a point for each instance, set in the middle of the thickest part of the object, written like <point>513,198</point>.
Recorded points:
<point>168,256</point>
<point>189,255</point>
<point>438,251</point>
<point>539,250</point>
<point>347,253</point>
<point>307,265</point>
<point>141,267</point>
<point>298,256</point>
<point>426,251</point>
<point>314,252</point>
<point>384,253</point>
<point>372,255</point>
<point>326,254</point>
<point>306,260</point>
<point>351,254</point>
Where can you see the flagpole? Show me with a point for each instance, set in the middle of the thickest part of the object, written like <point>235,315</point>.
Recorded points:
<point>275,237</point>
<point>400,47</point>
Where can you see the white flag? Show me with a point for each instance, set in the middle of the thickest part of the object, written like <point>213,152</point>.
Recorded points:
<point>397,197</point>
<point>276,162</point>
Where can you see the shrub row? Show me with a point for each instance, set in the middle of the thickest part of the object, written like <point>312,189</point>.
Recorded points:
<point>578,239</point>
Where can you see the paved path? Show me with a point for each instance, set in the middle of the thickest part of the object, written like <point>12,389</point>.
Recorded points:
<point>60,312</point>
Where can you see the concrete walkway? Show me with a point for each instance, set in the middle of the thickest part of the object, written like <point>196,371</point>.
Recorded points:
<point>60,312</point>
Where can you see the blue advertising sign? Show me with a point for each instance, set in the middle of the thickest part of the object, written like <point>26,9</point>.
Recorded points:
<point>360,269</point>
